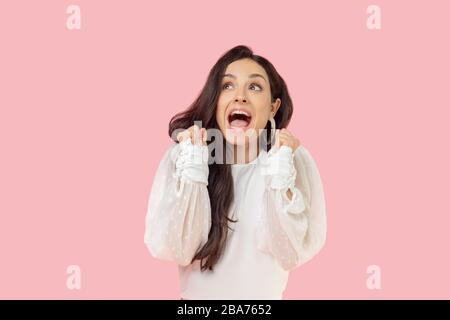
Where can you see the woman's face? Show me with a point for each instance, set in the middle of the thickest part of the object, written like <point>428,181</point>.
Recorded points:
<point>244,101</point>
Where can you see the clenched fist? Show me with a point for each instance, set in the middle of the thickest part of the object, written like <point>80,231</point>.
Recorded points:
<point>284,138</point>
<point>197,135</point>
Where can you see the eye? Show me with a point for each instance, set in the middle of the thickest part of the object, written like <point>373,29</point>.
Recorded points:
<point>257,86</point>
<point>225,86</point>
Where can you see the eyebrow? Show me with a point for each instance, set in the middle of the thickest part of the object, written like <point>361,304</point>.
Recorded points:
<point>253,75</point>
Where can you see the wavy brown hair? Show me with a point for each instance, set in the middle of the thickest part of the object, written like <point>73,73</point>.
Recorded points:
<point>220,180</point>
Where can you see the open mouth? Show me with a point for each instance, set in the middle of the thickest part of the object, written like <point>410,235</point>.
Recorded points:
<point>239,120</point>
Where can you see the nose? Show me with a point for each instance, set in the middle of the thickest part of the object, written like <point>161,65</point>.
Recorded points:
<point>240,95</point>
<point>240,99</point>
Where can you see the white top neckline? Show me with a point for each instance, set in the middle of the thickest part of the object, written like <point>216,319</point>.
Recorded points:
<point>254,161</point>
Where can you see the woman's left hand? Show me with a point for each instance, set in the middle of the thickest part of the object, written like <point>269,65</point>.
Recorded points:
<point>284,138</point>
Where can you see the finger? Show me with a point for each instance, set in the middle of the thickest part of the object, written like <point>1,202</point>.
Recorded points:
<point>183,135</point>
<point>283,141</point>
<point>196,139</point>
<point>286,137</point>
<point>205,135</point>
<point>199,136</point>
<point>192,134</point>
<point>286,134</point>
<point>191,131</point>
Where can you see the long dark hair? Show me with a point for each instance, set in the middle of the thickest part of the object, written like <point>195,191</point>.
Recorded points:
<point>220,181</point>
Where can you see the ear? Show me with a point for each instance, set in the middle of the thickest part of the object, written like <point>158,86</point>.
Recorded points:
<point>275,106</point>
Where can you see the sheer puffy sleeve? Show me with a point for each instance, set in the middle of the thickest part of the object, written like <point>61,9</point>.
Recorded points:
<point>292,230</point>
<point>178,216</point>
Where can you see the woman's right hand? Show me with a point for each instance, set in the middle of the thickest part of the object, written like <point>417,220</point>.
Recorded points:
<point>192,161</point>
<point>197,135</point>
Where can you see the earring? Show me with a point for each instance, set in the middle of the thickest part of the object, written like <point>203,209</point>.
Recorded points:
<point>273,128</point>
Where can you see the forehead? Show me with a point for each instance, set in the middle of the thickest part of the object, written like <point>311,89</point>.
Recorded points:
<point>244,67</point>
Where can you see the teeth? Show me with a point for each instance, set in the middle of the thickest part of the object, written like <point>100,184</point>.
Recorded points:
<point>240,112</point>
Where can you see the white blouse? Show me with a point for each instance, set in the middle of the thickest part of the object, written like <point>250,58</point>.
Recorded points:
<point>272,236</point>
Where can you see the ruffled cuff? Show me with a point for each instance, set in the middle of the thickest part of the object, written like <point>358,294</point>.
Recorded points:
<point>283,174</point>
<point>297,203</point>
<point>281,168</point>
<point>192,162</point>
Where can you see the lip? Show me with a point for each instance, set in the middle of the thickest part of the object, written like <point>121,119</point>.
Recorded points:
<point>242,108</point>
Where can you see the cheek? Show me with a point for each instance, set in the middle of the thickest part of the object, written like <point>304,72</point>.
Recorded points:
<point>220,114</point>
<point>222,103</point>
<point>261,121</point>
<point>262,116</point>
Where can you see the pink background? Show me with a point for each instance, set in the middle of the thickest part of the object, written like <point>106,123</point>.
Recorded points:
<point>84,117</point>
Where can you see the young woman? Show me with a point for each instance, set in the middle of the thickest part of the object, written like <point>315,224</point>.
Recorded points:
<point>236,225</point>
